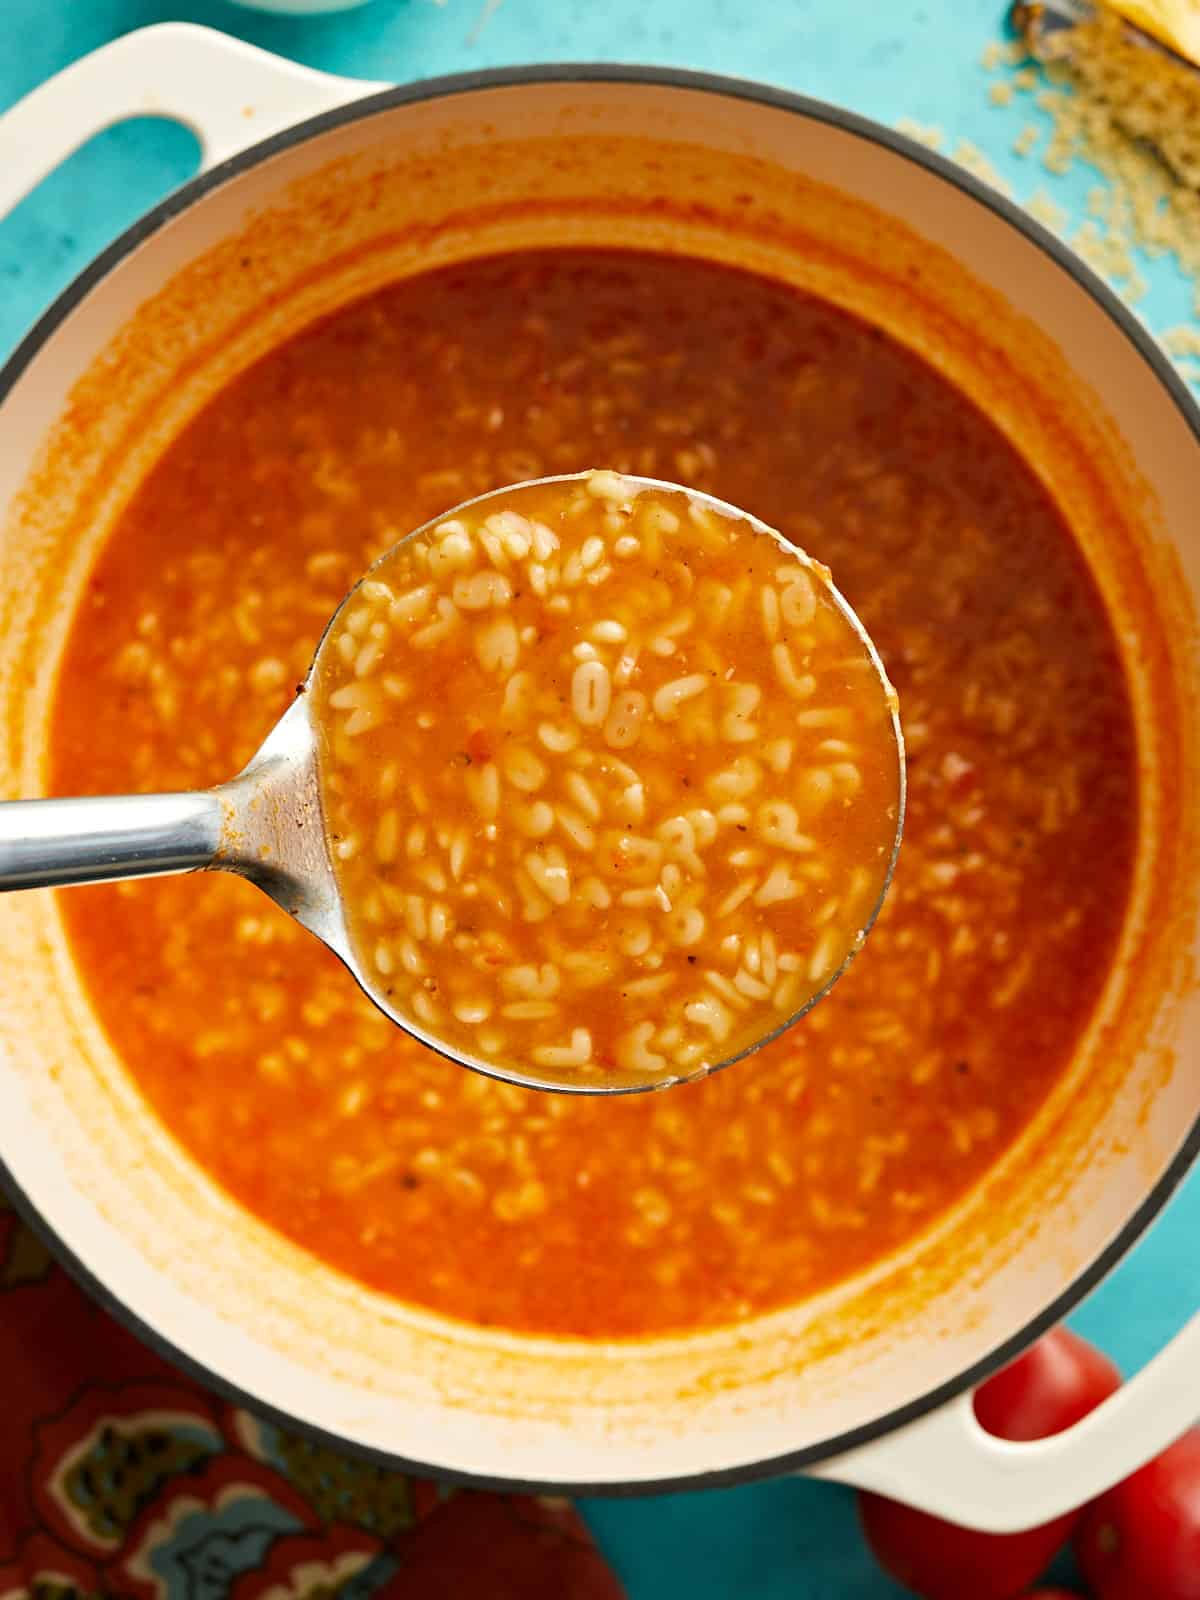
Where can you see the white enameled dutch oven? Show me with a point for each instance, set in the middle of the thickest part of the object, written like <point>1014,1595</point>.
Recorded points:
<point>316,190</point>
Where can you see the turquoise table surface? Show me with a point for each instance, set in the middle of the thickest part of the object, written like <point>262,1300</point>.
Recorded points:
<point>892,59</point>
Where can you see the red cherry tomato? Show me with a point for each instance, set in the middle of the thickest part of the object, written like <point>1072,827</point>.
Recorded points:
<point>1049,1388</point>
<point>1057,1381</point>
<point>1141,1540</point>
<point>941,1561</point>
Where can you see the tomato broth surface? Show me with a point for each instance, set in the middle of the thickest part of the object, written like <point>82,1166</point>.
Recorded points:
<point>854,1131</point>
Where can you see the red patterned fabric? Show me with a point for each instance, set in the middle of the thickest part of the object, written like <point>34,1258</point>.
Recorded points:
<point>121,1478</point>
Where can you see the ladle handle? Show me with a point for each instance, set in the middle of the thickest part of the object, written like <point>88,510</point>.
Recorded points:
<point>47,843</point>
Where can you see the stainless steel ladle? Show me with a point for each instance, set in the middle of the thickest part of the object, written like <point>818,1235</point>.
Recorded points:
<point>266,825</point>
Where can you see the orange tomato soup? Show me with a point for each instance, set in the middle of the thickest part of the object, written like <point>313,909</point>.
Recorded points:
<point>851,1133</point>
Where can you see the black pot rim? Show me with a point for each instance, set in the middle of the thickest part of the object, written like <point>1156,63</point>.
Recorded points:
<point>1085,279</point>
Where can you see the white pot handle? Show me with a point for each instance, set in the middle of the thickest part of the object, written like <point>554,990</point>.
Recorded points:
<point>946,1463</point>
<point>230,95</point>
